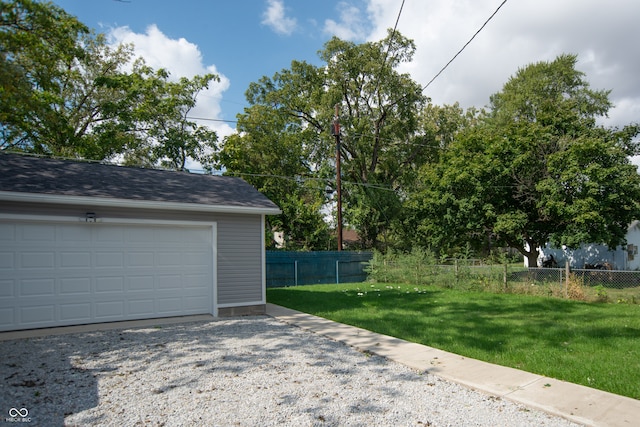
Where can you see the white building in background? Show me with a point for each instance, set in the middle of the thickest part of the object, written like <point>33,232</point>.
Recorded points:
<point>595,255</point>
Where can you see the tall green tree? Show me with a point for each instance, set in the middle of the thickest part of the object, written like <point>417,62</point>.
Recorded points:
<point>153,112</point>
<point>66,92</point>
<point>35,39</point>
<point>382,140</point>
<point>277,157</point>
<point>70,112</point>
<point>536,169</point>
<point>381,137</point>
<point>442,126</point>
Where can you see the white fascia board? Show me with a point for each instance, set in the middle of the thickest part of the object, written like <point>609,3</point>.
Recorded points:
<point>11,196</point>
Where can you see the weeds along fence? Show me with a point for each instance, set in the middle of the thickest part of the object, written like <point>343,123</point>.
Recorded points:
<point>580,284</point>
<point>288,268</point>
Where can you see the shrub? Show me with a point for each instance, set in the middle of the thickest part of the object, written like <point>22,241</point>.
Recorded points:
<point>601,294</point>
<point>575,289</point>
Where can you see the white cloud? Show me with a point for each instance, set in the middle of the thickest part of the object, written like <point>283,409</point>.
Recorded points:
<point>351,25</point>
<point>603,34</point>
<point>275,18</point>
<point>182,59</point>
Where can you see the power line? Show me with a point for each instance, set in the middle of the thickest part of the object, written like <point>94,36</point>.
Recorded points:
<point>465,45</point>
<point>384,60</point>
<point>357,135</point>
<point>393,33</point>
<point>387,53</point>
<point>299,178</point>
<point>212,120</point>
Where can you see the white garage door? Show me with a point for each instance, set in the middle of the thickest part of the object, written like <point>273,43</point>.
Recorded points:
<point>54,274</point>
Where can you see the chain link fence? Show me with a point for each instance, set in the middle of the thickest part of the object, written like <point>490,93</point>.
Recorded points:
<point>422,268</point>
<point>582,284</point>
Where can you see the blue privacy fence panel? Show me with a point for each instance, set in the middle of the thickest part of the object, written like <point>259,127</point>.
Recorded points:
<point>307,268</point>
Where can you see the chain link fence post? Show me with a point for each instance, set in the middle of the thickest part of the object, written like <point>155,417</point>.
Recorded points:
<point>505,273</point>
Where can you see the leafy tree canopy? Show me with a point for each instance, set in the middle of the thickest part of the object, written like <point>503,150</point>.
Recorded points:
<point>383,140</point>
<point>537,168</point>
<point>66,92</point>
<point>35,38</point>
<point>276,156</point>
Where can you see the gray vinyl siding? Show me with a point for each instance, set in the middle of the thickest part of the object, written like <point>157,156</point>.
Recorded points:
<point>239,243</point>
<point>240,259</point>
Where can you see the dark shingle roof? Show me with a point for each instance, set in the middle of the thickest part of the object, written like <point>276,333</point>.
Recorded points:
<point>33,175</point>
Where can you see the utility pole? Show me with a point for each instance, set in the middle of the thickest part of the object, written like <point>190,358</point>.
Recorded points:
<point>335,130</point>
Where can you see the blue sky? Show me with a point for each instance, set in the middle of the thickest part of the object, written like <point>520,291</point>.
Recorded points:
<point>244,40</point>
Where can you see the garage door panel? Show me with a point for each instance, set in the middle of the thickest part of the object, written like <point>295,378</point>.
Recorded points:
<point>140,283</point>
<point>7,261</point>
<point>142,307</point>
<point>109,310</point>
<point>63,274</point>
<point>70,286</point>
<point>37,314</point>
<point>194,305</point>
<point>74,312</point>
<point>169,306</point>
<point>109,259</point>
<point>141,235</point>
<point>110,284</point>
<point>170,282</point>
<point>33,260</point>
<point>194,259</point>
<point>37,287</point>
<point>169,236</point>
<point>195,237</point>
<point>74,234</point>
<point>8,316</point>
<point>7,232</point>
<point>7,288</point>
<point>109,234</point>
<point>196,280</point>
<point>38,233</point>
<point>75,259</point>
<point>165,259</point>
<point>140,259</point>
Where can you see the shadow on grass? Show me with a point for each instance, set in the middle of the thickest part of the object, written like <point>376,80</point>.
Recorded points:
<point>480,320</point>
<point>547,336</point>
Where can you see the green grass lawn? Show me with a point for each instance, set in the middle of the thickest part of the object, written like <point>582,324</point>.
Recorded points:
<point>593,344</point>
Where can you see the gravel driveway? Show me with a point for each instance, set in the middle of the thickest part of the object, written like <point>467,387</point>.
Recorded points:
<point>250,371</point>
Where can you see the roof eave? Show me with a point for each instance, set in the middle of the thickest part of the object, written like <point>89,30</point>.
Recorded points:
<point>11,196</point>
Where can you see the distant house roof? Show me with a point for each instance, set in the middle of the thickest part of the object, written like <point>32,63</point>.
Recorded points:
<point>36,179</point>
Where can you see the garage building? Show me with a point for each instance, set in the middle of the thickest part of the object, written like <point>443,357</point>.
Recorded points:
<point>89,243</point>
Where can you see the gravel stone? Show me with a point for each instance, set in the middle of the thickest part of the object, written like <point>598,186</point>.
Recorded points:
<point>249,371</point>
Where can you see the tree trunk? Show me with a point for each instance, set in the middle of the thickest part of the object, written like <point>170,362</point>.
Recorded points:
<point>531,252</point>
<point>532,256</point>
